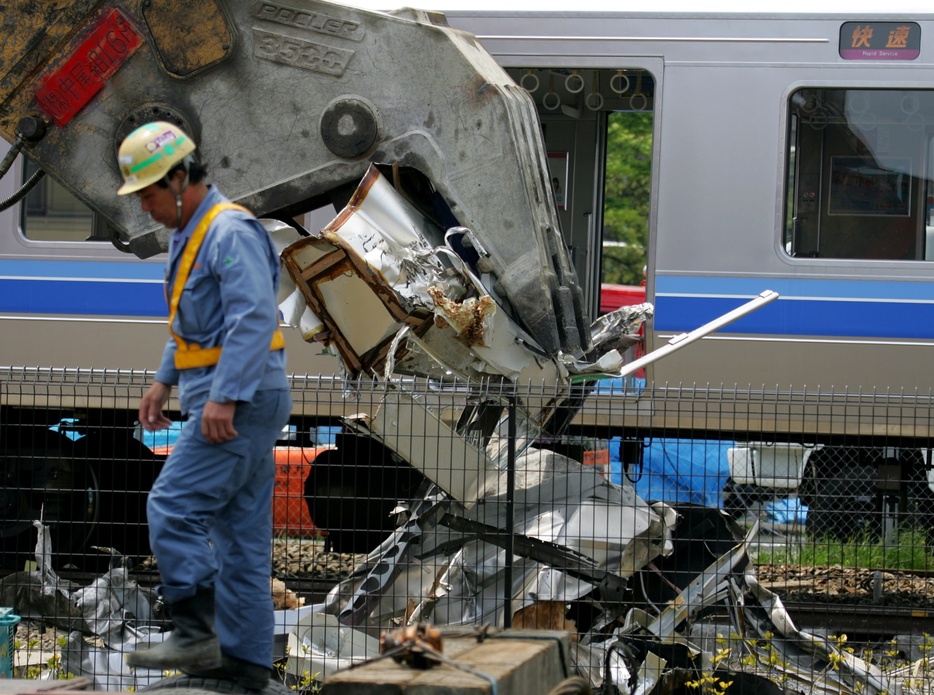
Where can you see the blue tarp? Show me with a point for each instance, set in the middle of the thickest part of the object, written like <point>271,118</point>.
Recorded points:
<point>684,470</point>
<point>673,470</point>
<point>677,470</point>
<point>692,471</point>
<point>786,510</point>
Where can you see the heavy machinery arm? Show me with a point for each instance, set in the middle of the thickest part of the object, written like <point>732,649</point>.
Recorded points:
<point>291,103</point>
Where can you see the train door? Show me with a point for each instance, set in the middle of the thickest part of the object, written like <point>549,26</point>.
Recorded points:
<point>598,130</point>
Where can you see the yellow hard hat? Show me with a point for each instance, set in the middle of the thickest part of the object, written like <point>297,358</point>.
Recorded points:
<point>148,153</point>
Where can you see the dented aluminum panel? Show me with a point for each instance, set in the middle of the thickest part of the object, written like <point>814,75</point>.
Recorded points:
<point>457,466</point>
<point>383,270</point>
<point>450,569</point>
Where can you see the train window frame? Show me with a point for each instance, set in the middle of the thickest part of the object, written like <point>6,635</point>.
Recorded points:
<point>51,213</point>
<point>858,173</point>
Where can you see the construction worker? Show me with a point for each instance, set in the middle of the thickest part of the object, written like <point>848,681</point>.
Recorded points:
<point>210,510</point>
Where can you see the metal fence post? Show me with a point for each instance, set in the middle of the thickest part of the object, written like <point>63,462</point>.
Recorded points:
<point>510,509</point>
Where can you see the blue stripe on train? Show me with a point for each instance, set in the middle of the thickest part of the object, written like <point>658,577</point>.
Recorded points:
<point>794,287</point>
<point>82,297</point>
<point>835,308</point>
<point>85,270</point>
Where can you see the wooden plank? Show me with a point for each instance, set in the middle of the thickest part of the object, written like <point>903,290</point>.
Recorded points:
<point>520,663</point>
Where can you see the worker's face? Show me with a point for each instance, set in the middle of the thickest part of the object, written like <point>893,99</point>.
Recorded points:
<point>159,203</point>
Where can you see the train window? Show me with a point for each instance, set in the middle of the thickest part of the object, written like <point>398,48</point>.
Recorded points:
<point>52,213</point>
<point>860,165</point>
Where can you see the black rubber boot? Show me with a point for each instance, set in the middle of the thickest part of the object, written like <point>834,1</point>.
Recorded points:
<point>192,643</point>
<point>245,674</point>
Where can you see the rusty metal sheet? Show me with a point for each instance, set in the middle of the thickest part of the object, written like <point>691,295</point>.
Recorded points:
<point>34,33</point>
<point>190,36</point>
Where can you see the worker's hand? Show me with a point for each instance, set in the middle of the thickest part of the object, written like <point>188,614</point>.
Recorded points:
<point>217,421</point>
<point>151,416</point>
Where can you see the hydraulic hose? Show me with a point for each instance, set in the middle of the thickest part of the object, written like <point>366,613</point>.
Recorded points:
<point>11,155</point>
<point>23,190</point>
<point>29,129</point>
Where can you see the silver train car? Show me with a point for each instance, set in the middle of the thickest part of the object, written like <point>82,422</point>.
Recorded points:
<point>791,152</point>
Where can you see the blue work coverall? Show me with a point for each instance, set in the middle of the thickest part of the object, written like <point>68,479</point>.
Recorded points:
<point>210,510</point>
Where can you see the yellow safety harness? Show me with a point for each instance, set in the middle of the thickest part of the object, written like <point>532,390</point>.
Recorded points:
<point>191,355</point>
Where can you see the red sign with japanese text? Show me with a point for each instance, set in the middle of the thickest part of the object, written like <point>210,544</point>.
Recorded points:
<point>67,90</point>
<point>880,41</point>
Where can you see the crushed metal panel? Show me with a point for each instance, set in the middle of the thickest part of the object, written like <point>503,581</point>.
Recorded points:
<point>549,490</point>
<point>438,318</point>
<point>601,528</point>
<point>367,274</point>
<point>416,434</point>
<point>363,320</point>
<point>361,317</point>
<point>321,646</point>
<point>811,660</point>
<point>504,355</point>
<point>708,588</point>
<point>469,556</point>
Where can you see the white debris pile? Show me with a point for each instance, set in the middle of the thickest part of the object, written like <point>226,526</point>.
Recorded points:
<point>102,620</point>
<point>502,530</point>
